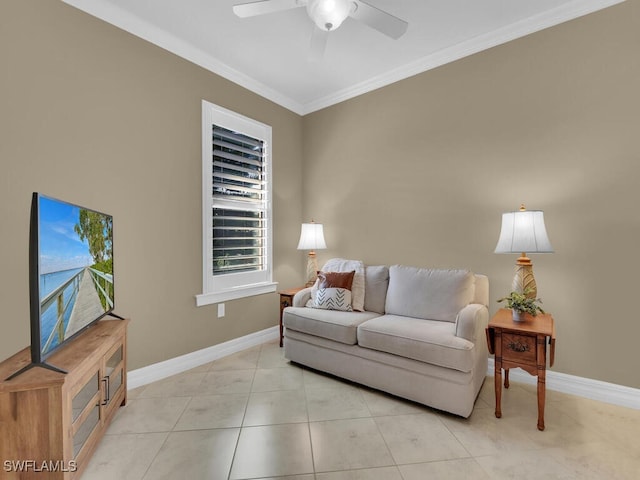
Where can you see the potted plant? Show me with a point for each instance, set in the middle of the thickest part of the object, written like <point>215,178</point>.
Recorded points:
<point>521,302</point>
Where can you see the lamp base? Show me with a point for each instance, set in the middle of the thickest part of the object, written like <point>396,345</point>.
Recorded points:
<point>312,269</point>
<point>523,280</point>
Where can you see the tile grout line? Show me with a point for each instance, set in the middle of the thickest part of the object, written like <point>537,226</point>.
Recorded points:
<point>386,444</point>
<point>306,406</point>
<point>472,457</point>
<point>244,415</point>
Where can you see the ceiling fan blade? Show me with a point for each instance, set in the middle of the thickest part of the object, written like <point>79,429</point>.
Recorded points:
<point>263,7</point>
<point>318,44</point>
<point>382,21</point>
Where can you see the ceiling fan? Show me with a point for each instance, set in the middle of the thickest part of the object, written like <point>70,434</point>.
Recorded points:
<point>328,15</point>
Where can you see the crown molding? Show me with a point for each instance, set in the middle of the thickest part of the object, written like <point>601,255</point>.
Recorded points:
<point>118,17</point>
<point>124,20</point>
<point>550,18</point>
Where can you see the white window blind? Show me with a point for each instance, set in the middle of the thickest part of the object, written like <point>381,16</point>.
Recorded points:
<point>239,203</point>
<point>236,206</point>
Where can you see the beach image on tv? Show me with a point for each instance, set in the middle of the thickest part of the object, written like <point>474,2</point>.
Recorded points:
<point>75,267</point>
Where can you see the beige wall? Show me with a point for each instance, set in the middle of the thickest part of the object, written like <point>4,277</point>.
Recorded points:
<point>98,117</point>
<point>415,173</point>
<point>419,173</point>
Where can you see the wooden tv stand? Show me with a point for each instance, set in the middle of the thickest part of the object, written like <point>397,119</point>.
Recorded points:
<point>51,422</point>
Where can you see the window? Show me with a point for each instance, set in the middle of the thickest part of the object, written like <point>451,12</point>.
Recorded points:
<point>236,205</point>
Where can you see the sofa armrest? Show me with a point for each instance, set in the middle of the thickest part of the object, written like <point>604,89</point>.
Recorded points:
<point>301,298</point>
<point>472,321</point>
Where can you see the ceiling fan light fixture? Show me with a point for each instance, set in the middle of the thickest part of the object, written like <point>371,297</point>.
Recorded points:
<point>329,14</point>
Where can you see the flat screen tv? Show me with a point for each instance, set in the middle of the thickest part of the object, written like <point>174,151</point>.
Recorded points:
<point>70,274</point>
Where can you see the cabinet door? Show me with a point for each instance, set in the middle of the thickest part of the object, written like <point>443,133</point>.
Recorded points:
<point>113,375</point>
<point>85,410</point>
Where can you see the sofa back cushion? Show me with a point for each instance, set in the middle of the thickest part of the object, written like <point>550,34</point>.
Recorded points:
<point>375,287</point>
<point>481,290</point>
<point>431,294</point>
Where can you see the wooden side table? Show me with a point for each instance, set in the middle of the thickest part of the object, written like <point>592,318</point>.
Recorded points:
<point>286,300</point>
<point>521,344</point>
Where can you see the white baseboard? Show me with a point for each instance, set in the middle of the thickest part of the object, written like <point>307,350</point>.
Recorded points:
<point>158,371</point>
<point>560,382</point>
<point>580,386</point>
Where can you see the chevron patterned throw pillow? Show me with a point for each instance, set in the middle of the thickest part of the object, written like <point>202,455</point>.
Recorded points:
<point>333,299</point>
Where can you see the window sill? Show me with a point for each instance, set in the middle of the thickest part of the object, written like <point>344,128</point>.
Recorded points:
<point>235,293</point>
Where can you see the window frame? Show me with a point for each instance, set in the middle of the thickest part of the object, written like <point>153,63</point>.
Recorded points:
<point>231,286</point>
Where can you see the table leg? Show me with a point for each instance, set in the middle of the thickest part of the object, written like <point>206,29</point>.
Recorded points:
<point>541,398</point>
<point>506,378</point>
<point>285,301</point>
<point>542,375</point>
<point>498,388</point>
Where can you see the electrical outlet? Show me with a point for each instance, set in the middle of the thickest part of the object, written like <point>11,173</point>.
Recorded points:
<point>220,310</point>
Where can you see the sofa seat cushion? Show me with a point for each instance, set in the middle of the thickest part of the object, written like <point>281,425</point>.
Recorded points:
<point>428,341</point>
<point>402,363</point>
<point>332,324</point>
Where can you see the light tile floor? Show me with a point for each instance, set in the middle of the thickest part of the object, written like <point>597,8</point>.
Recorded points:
<point>254,415</point>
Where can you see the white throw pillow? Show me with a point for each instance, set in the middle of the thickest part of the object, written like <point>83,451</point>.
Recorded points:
<point>357,288</point>
<point>333,299</point>
<point>431,294</point>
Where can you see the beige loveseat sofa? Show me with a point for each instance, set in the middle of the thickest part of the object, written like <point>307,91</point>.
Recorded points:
<point>420,334</point>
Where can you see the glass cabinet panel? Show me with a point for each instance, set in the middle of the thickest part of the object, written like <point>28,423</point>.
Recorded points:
<point>114,373</point>
<point>85,430</point>
<point>115,382</point>
<point>84,396</point>
<point>113,361</point>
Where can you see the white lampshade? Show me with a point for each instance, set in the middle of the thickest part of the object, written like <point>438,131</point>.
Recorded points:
<point>329,14</point>
<point>523,232</point>
<point>311,237</point>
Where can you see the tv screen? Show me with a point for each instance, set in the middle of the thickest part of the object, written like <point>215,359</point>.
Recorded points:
<point>71,271</point>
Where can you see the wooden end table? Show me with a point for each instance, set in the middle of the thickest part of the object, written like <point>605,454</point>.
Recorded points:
<point>521,344</point>
<point>286,300</point>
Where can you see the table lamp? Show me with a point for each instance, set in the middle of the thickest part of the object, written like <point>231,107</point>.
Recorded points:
<point>312,239</point>
<point>524,232</point>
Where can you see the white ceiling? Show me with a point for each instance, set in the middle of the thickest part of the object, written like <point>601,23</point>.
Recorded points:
<point>269,54</point>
